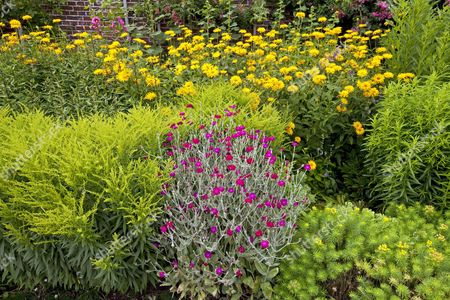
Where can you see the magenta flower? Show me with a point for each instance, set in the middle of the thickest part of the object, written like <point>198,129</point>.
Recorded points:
<point>162,275</point>
<point>219,271</point>
<point>265,244</point>
<point>307,167</point>
<point>163,229</point>
<point>213,229</point>
<point>241,249</point>
<point>238,273</point>
<point>281,183</point>
<point>240,182</point>
<point>229,232</point>
<point>208,254</point>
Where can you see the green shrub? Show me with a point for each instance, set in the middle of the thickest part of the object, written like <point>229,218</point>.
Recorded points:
<point>345,252</point>
<point>78,198</point>
<point>408,150</point>
<point>420,39</point>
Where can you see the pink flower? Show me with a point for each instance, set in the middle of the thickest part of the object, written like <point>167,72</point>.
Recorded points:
<point>231,168</point>
<point>258,233</point>
<point>240,182</point>
<point>229,232</point>
<point>265,244</point>
<point>281,183</point>
<point>163,229</point>
<point>238,273</point>
<point>241,249</point>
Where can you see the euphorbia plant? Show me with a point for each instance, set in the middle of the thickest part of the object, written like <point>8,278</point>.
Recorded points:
<point>230,211</point>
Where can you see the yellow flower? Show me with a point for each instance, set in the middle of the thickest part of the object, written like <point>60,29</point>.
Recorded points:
<point>383,248</point>
<point>56,21</point>
<point>152,81</point>
<point>210,70</point>
<point>349,88</point>
<point>314,52</point>
<point>357,125</point>
<point>341,108</point>
<point>235,80</point>
<point>261,30</point>
<point>292,88</point>
<point>300,15</point>
<point>27,18</point>
<point>78,42</point>
<point>297,139</point>
<point>322,19</point>
<point>378,78</point>
<point>343,94</point>
<point>170,33</point>
<point>100,72</point>
<point>187,89</point>
<point>2,24</point>
<point>344,101</point>
<point>15,24</point>
<point>360,131</point>
<point>47,27</point>
<point>362,73</point>
<point>124,75</point>
<point>312,164</point>
<point>388,75</point>
<point>405,76</point>
<point>150,96</point>
<point>319,79</point>
<point>271,99</point>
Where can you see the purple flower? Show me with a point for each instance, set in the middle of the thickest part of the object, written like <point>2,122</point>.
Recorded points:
<point>307,167</point>
<point>213,229</point>
<point>162,275</point>
<point>219,271</point>
<point>208,254</point>
<point>265,244</point>
<point>95,21</point>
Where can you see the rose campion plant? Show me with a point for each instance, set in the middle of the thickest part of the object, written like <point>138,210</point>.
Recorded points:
<point>230,211</point>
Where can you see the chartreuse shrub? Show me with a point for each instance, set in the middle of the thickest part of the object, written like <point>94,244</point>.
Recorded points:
<point>408,151</point>
<point>420,38</point>
<point>79,198</point>
<point>229,212</point>
<point>347,252</point>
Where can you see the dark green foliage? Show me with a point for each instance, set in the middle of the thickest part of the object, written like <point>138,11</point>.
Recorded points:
<point>408,151</point>
<point>345,252</point>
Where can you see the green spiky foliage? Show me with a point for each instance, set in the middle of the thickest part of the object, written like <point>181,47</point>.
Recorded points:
<point>408,151</point>
<point>420,38</point>
<point>78,198</point>
<point>348,253</point>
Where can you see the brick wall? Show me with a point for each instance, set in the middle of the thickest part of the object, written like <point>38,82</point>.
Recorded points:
<point>75,17</point>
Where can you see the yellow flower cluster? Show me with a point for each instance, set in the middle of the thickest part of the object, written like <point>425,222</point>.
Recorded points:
<point>359,129</point>
<point>187,89</point>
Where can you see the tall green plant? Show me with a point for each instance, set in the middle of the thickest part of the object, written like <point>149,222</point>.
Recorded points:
<point>420,38</point>
<point>408,150</point>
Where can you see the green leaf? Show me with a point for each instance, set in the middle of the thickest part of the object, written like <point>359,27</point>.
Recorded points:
<point>267,290</point>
